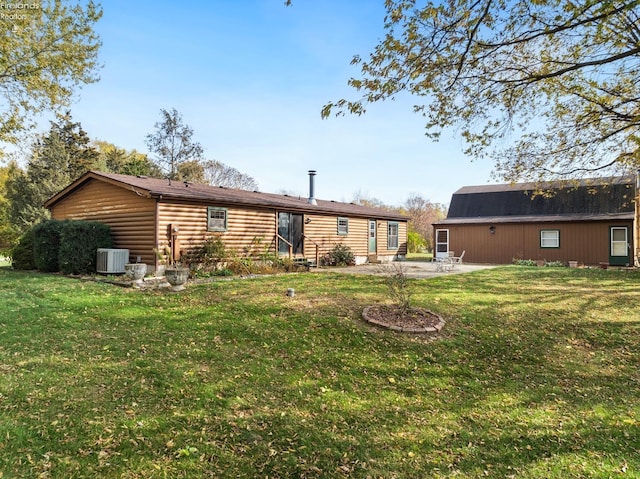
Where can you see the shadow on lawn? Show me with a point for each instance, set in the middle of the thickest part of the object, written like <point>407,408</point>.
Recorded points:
<point>528,379</point>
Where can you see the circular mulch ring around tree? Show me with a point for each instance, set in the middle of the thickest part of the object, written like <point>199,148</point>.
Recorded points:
<point>415,320</point>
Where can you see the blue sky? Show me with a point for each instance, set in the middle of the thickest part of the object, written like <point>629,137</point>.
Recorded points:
<point>251,77</point>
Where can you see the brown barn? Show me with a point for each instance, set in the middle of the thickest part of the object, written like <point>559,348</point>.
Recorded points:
<point>591,222</point>
<point>148,214</point>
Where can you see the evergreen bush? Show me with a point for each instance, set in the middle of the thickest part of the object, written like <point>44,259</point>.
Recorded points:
<point>46,244</point>
<point>22,253</point>
<point>79,241</point>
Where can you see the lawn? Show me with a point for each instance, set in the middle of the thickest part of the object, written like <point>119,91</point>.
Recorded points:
<point>537,375</point>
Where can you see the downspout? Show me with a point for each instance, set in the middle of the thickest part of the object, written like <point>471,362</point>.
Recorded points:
<point>155,233</point>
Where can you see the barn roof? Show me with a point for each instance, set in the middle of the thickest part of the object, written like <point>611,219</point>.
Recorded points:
<point>199,193</point>
<point>584,200</point>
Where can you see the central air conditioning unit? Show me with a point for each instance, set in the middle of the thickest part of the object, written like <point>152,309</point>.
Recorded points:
<point>111,261</point>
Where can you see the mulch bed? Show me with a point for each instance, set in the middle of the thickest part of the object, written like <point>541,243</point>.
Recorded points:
<point>415,320</point>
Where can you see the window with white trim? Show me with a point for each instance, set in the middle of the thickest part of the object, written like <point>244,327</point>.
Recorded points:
<point>392,235</point>
<point>549,238</point>
<point>343,226</point>
<point>216,219</point>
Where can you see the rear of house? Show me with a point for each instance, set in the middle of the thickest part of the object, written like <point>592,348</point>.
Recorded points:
<point>148,214</point>
<point>591,222</point>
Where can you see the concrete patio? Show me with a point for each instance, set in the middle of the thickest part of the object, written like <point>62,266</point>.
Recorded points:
<point>413,269</point>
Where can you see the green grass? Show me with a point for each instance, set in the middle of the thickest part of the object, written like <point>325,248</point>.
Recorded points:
<point>419,256</point>
<point>537,375</point>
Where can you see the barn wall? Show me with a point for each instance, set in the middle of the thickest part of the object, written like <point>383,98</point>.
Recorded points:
<point>131,217</point>
<point>585,242</point>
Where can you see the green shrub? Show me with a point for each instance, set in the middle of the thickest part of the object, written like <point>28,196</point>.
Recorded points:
<point>340,255</point>
<point>415,242</point>
<point>555,264</point>
<point>206,257</point>
<point>525,262</point>
<point>79,241</point>
<point>22,253</point>
<point>46,245</point>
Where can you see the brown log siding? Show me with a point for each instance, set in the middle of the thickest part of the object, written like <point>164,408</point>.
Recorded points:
<point>253,231</point>
<point>323,230</point>
<point>585,242</point>
<point>383,249</point>
<point>249,231</point>
<point>131,217</point>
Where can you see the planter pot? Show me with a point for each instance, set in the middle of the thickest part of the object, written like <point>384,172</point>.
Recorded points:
<point>176,277</point>
<point>135,271</point>
<point>573,264</point>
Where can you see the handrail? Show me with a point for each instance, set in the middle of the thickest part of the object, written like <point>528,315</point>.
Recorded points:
<point>317,249</point>
<point>290,245</point>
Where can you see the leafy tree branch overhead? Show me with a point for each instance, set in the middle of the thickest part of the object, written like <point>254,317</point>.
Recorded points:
<point>46,53</point>
<point>545,88</point>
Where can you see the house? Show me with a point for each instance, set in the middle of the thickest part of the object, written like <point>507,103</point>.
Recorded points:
<point>150,214</point>
<point>588,221</point>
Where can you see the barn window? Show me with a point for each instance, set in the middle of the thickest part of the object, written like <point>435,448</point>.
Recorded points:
<point>549,238</point>
<point>392,235</point>
<point>216,219</point>
<point>343,226</point>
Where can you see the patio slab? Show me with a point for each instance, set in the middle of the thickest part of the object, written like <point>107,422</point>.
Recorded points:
<point>413,269</point>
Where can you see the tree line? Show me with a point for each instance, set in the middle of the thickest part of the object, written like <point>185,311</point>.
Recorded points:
<point>65,152</point>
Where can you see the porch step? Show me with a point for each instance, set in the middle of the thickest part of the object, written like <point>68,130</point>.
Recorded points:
<point>373,259</point>
<point>307,263</point>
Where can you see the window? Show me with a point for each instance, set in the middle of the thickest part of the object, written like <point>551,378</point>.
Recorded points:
<point>343,226</point>
<point>216,219</point>
<point>549,238</point>
<point>392,235</point>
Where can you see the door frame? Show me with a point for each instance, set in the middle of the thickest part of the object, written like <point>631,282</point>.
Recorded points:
<point>619,260</point>
<point>372,235</point>
<point>294,233</point>
<point>437,247</point>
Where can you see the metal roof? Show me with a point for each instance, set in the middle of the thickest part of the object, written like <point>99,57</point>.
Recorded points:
<point>556,201</point>
<point>535,219</point>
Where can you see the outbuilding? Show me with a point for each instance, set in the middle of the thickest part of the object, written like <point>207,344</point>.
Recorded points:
<point>590,221</point>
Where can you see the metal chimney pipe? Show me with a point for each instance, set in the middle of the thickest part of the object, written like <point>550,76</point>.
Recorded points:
<point>312,188</point>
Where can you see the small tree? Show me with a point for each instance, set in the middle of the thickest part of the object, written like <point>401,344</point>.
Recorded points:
<point>399,286</point>
<point>172,143</point>
<point>415,242</point>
